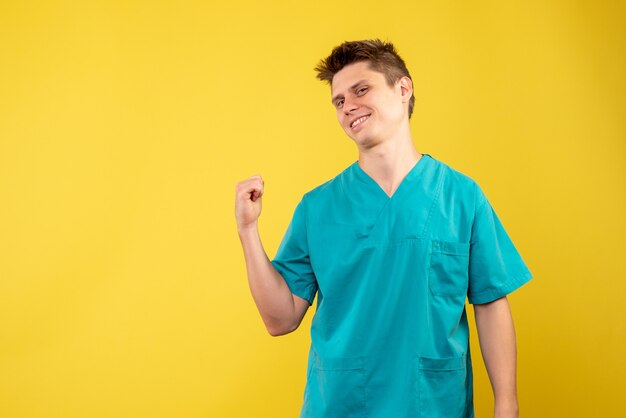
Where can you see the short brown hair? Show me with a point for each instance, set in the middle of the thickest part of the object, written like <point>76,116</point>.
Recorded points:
<point>381,56</point>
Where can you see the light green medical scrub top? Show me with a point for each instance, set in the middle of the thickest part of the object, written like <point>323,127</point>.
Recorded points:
<point>390,335</point>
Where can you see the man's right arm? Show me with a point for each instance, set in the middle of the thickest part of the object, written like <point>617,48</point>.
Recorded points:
<point>281,310</point>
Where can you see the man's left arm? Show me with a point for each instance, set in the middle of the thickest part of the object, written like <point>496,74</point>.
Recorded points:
<point>496,335</point>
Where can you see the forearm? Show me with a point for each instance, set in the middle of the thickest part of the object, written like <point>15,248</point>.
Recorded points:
<point>269,290</point>
<point>496,334</point>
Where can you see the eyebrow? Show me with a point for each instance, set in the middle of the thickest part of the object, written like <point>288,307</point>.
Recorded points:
<point>352,87</point>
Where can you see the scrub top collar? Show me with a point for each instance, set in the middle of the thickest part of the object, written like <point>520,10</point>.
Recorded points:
<point>380,218</point>
<point>415,171</point>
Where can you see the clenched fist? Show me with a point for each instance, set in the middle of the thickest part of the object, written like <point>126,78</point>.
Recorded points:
<point>248,201</point>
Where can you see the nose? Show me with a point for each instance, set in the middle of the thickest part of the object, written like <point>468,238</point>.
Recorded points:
<point>349,105</point>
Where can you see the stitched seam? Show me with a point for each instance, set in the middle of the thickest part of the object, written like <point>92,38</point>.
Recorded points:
<point>432,205</point>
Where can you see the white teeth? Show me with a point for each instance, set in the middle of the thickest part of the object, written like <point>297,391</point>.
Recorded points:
<point>359,120</point>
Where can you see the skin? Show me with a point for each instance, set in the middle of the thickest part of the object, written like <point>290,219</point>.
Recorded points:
<point>496,335</point>
<point>281,311</point>
<point>384,141</point>
<point>386,153</point>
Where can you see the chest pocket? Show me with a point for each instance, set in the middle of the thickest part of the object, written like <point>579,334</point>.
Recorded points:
<point>448,272</point>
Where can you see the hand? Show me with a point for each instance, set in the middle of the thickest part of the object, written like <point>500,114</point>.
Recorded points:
<point>248,201</point>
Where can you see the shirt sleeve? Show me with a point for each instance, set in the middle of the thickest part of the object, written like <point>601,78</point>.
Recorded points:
<point>495,267</point>
<point>292,257</point>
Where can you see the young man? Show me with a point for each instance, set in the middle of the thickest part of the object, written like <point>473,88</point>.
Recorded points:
<point>392,246</point>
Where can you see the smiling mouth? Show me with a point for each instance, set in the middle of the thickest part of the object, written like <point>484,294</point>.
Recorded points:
<point>359,121</point>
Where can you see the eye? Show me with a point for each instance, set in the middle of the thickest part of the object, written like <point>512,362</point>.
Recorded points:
<point>361,91</point>
<point>339,103</point>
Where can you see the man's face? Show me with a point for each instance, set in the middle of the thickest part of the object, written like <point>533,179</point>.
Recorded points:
<point>368,109</point>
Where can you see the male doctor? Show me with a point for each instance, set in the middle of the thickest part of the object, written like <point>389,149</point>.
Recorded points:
<point>392,246</point>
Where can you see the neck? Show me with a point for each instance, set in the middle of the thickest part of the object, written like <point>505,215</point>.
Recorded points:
<point>389,161</point>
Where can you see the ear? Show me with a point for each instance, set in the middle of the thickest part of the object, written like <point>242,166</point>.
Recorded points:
<point>406,88</point>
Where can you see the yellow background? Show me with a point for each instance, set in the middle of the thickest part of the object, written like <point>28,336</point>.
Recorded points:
<point>124,127</point>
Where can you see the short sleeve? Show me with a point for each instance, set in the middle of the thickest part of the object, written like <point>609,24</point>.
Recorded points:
<point>292,257</point>
<point>495,267</point>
